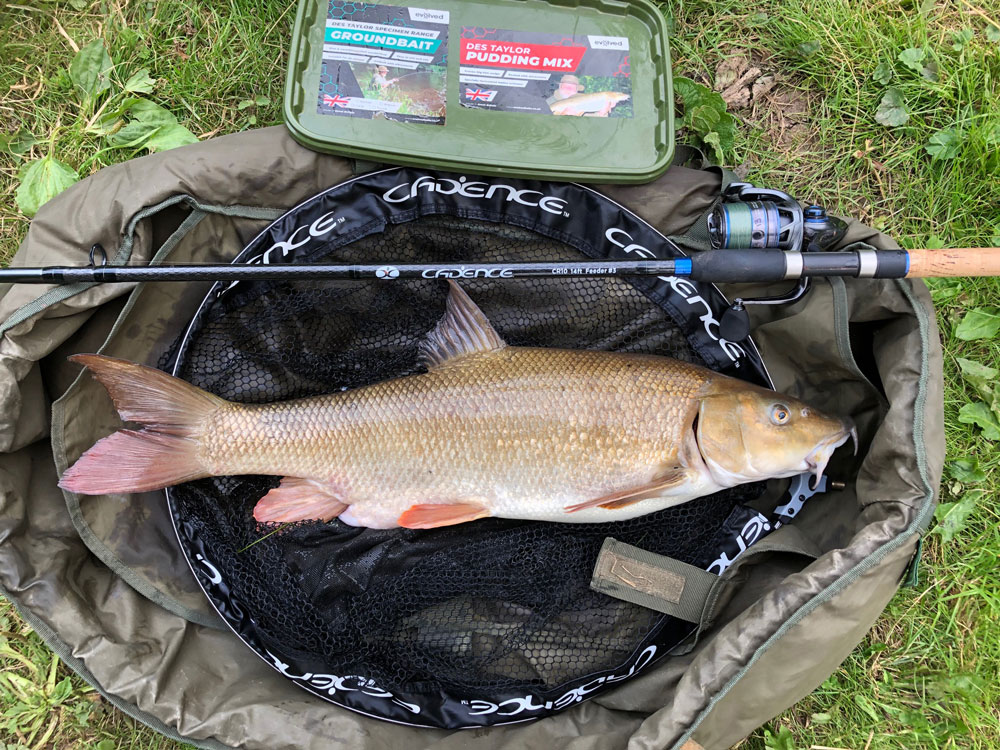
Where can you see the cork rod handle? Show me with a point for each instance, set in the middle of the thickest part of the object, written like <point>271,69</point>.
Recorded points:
<point>959,261</point>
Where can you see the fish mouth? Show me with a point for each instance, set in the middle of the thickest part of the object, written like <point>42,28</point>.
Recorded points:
<point>817,460</point>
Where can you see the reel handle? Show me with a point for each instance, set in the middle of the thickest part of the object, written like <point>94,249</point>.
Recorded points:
<point>958,261</point>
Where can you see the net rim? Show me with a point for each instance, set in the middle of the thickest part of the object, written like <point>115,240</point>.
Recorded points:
<point>209,574</point>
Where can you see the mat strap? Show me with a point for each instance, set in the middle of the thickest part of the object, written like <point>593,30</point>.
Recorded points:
<point>651,580</point>
<point>676,588</point>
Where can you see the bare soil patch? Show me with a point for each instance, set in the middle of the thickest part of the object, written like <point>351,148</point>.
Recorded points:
<point>754,89</point>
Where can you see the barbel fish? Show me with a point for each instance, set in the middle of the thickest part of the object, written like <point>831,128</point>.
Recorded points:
<point>488,430</point>
<point>583,104</point>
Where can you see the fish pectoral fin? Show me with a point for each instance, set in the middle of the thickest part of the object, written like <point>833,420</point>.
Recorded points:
<point>620,499</point>
<point>298,499</point>
<point>430,516</point>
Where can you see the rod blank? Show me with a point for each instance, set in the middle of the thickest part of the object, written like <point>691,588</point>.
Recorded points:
<point>734,265</point>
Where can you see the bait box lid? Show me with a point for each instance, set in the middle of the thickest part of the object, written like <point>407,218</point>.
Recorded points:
<point>474,85</point>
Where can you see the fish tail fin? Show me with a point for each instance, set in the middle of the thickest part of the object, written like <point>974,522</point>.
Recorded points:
<point>134,461</point>
<point>165,452</point>
<point>150,397</point>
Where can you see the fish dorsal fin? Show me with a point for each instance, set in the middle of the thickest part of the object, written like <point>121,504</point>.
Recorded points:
<point>463,330</point>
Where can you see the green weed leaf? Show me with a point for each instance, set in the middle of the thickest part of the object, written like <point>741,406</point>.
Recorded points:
<point>883,73</point>
<point>966,685</point>
<point>944,289</point>
<point>995,239</point>
<point>892,110</point>
<point>703,118</point>
<point>993,33</point>
<point>258,101</point>
<point>170,136</point>
<point>982,416</point>
<point>810,48</point>
<point>722,138</point>
<point>706,116</point>
<point>952,518</point>
<point>18,144</point>
<point>926,7</point>
<point>726,128</point>
<point>105,745</point>
<point>912,718</point>
<point>930,71</point>
<point>153,127</point>
<point>109,121</point>
<point>694,95</point>
<point>62,691</point>
<point>960,39</point>
<point>783,740</point>
<point>42,180</point>
<point>980,377</point>
<point>715,141</point>
<point>913,58</point>
<point>868,707</point>
<point>978,324</point>
<point>140,82</point>
<point>976,372</point>
<point>104,125</point>
<point>90,70</point>
<point>152,113</point>
<point>132,135</point>
<point>966,471</point>
<point>946,143</point>
<point>935,243</point>
<point>990,133</point>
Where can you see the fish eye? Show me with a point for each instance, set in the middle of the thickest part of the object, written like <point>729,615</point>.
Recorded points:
<point>779,414</point>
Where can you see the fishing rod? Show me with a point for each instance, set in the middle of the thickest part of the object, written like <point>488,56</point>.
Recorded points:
<point>733,265</point>
<point>759,235</point>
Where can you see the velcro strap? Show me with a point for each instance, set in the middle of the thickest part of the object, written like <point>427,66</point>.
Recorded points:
<point>650,580</point>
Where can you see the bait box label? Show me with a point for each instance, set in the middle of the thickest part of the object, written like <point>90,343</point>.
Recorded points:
<point>384,61</point>
<point>485,86</point>
<point>551,74</point>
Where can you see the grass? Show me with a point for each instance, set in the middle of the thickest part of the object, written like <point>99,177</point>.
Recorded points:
<point>926,675</point>
<point>47,706</point>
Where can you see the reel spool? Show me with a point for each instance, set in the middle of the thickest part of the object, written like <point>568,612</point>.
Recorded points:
<point>757,218</point>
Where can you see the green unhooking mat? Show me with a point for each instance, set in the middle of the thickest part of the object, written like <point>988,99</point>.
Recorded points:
<point>107,585</point>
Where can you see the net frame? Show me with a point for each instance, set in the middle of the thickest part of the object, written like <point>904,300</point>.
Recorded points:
<point>277,328</point>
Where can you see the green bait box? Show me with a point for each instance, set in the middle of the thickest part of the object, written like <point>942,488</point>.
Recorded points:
<point>577,90</point>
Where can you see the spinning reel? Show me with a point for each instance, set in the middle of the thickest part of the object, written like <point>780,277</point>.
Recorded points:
<point>751,217</point>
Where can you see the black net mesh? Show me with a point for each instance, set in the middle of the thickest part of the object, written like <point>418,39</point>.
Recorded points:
<point>496,604</point>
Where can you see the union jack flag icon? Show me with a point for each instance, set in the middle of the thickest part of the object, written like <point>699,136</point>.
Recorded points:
<point>336,101</point>
<point>477,95</point>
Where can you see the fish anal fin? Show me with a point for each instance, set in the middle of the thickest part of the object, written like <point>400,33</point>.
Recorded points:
<point>431,516</point>
<point>621,498</point>
<point>463,330</point>
<point>298,499</point>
